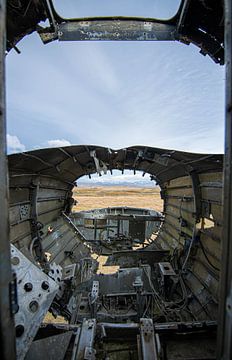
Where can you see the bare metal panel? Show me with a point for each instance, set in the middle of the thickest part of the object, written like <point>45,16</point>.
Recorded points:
<point>35,291</point>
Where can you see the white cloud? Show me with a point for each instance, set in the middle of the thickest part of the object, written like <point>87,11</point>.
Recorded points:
<point>58,143</point>
<point>117,178</point>
<point>14,144</point>
<point>98,68</point>
<point>119,92</point>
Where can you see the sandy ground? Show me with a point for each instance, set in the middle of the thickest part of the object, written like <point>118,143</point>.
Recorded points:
<point>109,196</point>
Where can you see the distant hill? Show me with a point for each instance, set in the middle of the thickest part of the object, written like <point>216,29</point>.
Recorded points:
<point>128,179</point>
<point>114,182</point>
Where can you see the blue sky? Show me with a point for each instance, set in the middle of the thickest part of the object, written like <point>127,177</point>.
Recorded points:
<point>115,94</point>
<point>163,9</point>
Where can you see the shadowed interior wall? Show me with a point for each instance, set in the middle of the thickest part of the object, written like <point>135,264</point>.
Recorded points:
<point>41,184</point>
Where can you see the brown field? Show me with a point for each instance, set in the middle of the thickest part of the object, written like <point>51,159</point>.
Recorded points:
<point>109,196</point>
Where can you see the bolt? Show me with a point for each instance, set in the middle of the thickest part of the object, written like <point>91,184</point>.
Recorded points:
<point>28,287</point>
<point>45,285</point>
<point>15,260</point>
<point>19,330</point>
<point>33,306</point>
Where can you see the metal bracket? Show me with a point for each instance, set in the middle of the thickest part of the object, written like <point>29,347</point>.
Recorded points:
<point>147,340</point>
<point>95,290</point>
<point>138,286</point>
<point>24,211</point>
<point>166,269</point>
<point>93,298</point>
<point>36,292</point>
<point>68,271</point>
<point>100,165</point>
<point>13,294</point>
<point>84,348</point>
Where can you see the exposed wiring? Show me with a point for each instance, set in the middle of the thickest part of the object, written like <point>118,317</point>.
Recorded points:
<point>27,8</point>
<point>206,256</point>
<point>147,307</point>
<point>167,308</point>
<point>157,298</point>
<point>31,246</point>
<point>189,250</point>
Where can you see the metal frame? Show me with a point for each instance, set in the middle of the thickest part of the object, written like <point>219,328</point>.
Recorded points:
<point>133,29</point>
<point>7,333</point>
<point>7,336</point>
<point>84,348</point>
<point>225,309</point>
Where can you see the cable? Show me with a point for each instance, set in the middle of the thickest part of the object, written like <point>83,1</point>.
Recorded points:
<point>206,256</point>
<point>147,307</point>
<point>158,300</point>
<point>185,295</point>
<point>189,250</point>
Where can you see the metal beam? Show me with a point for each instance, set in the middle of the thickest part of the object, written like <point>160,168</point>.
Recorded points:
<point>197,196</point>
<point>118,217</point>
<point>7,334</point>
<point>84,347</point>
<point>147,340</point>
<point>225,309</point>
<point>111,29</point>
<point>119,29</point>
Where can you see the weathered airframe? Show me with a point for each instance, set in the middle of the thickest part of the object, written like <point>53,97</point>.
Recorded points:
<point>171,297</point>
